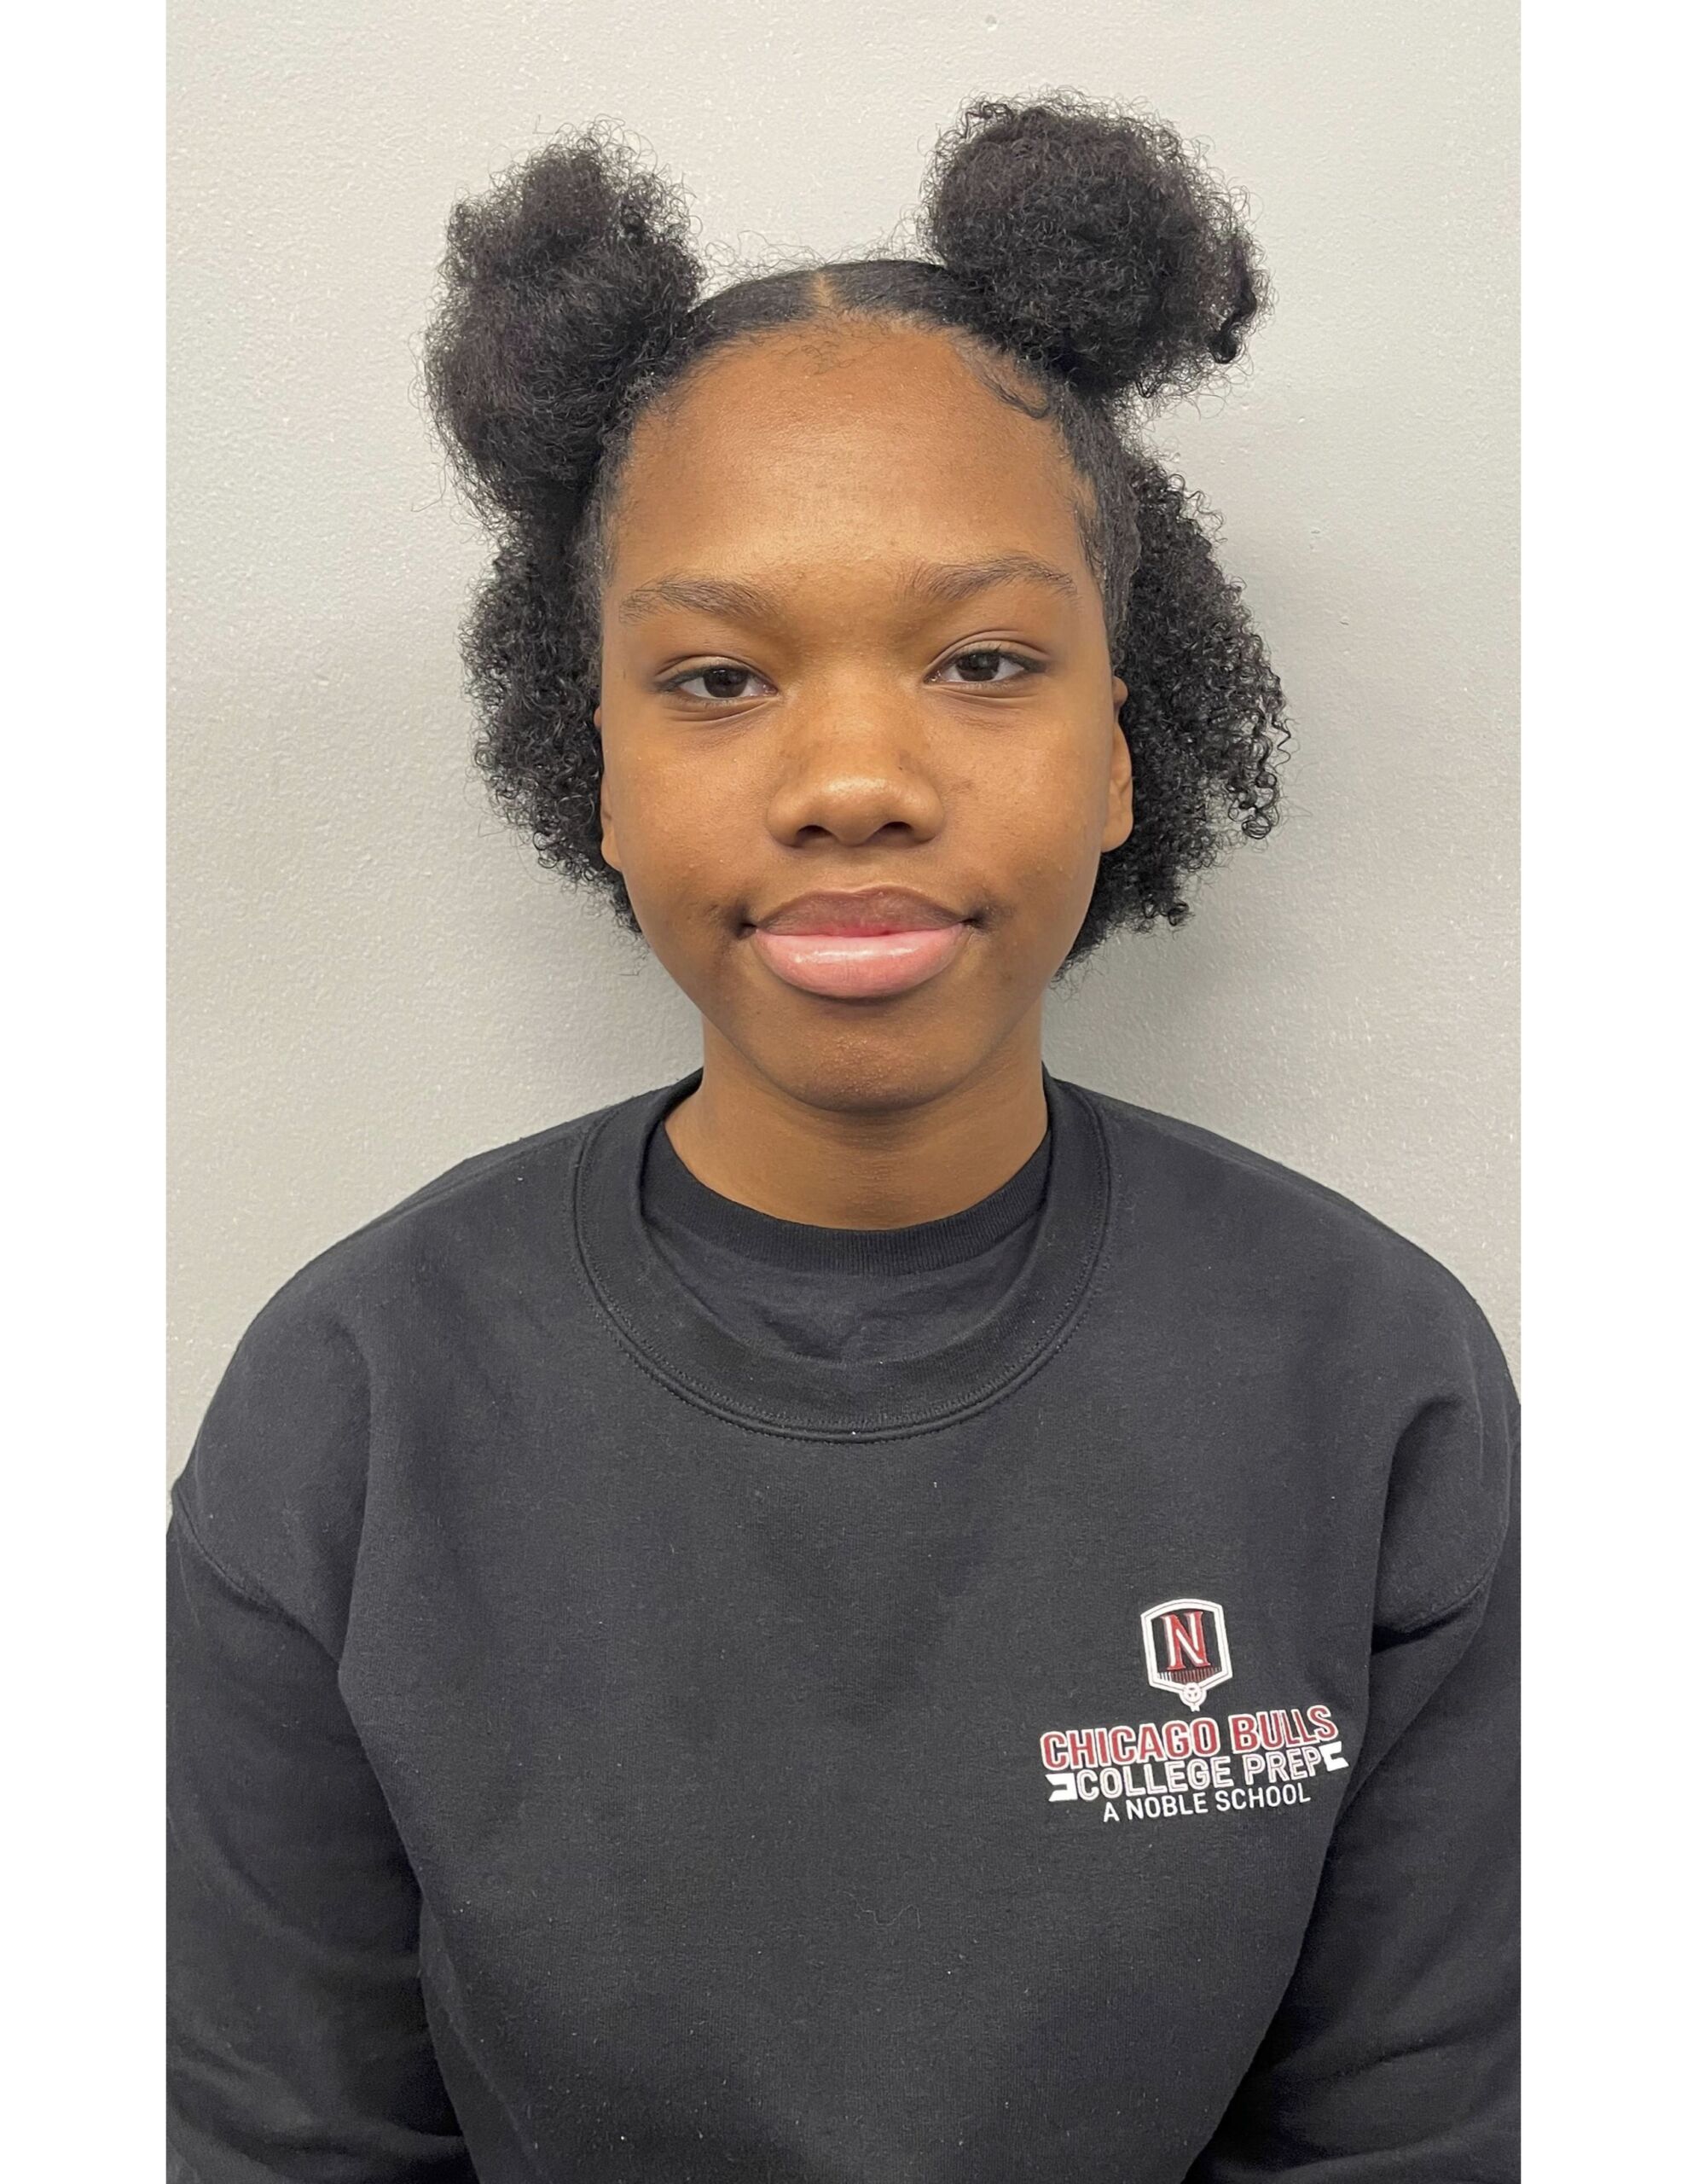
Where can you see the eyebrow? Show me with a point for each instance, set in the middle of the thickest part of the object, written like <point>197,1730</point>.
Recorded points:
<point>934,583</point>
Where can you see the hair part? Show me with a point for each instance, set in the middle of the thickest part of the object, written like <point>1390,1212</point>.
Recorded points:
<point>886,292</point>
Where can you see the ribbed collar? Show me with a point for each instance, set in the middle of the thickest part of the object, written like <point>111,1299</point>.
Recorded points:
<point>674,1196</point>
<point>840,1399</point>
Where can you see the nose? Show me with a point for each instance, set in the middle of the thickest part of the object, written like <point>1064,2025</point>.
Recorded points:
<point>850,768</point>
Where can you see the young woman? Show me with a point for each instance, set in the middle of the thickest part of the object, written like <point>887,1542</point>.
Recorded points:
<point>871,1614</point>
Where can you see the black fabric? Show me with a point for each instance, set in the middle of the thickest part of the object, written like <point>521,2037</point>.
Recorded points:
<point>604,1745</point>
<point>862,1293</point>
<point>697,1352</point>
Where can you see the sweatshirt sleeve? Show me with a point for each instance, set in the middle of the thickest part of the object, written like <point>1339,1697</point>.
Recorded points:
<point>1394,2052</point>
<point>296,2043</point>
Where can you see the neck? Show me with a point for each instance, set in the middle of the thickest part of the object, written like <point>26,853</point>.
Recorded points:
<point>753,1141</point>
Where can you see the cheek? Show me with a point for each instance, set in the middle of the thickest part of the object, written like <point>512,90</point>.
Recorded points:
<point>680,835</point>
<point>1046,808</point>
<point>647,785</point>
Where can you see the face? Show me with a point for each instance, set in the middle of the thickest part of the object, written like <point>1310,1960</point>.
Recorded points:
<point>852,650</point>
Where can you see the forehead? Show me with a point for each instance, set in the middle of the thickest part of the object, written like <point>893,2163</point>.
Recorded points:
<point>814,443</point>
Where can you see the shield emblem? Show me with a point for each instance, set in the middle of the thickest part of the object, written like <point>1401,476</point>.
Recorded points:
<point>1185,1648</point>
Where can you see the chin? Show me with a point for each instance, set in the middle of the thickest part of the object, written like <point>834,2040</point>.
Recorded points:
<point>870,1069</point>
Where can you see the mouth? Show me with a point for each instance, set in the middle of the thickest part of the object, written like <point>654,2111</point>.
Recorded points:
<point>859,947</point>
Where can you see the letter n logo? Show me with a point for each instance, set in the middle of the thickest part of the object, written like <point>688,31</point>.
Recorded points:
<point>1185,1648</point>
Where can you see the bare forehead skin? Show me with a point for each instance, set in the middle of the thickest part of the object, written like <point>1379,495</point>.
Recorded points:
<point>821,446</point>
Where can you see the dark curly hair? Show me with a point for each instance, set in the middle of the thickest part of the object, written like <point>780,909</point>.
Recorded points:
<point>1075,244</point>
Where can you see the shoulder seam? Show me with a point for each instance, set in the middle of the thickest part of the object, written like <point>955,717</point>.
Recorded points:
<point>1444,1614</point>
<point>247,1592</point>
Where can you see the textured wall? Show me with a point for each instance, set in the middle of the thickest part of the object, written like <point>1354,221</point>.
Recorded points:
<point>371,977</point>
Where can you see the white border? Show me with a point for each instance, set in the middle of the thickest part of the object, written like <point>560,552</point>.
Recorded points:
<point>84,897</point>
<point>1604,1118</point>
<point>1603,1113</point>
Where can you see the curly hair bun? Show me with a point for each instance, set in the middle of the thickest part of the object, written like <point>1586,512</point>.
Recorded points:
<point>559,285</point>
<point>1094,242</point>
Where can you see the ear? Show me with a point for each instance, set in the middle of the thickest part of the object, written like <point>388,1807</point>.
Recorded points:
<point>605,824</point>
<point>1121,815</point>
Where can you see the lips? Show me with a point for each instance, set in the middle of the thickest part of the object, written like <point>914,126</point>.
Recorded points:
<point>860,946</point>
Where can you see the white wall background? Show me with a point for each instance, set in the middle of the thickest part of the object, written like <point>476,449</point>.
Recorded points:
<point>371,978</point>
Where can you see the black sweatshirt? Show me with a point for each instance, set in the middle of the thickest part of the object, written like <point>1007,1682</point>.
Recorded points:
<point>604,1745</point>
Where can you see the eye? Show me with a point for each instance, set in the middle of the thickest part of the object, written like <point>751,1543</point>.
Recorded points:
<point>714,676</point>
<point>989,657</point>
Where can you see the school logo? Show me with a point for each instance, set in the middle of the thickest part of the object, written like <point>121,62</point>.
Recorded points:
<point>1185,1648</point>
<point>1196,1764</point>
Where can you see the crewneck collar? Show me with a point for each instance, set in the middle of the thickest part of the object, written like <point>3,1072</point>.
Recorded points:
<point>843,1399</point>
<point>674,1196</point>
